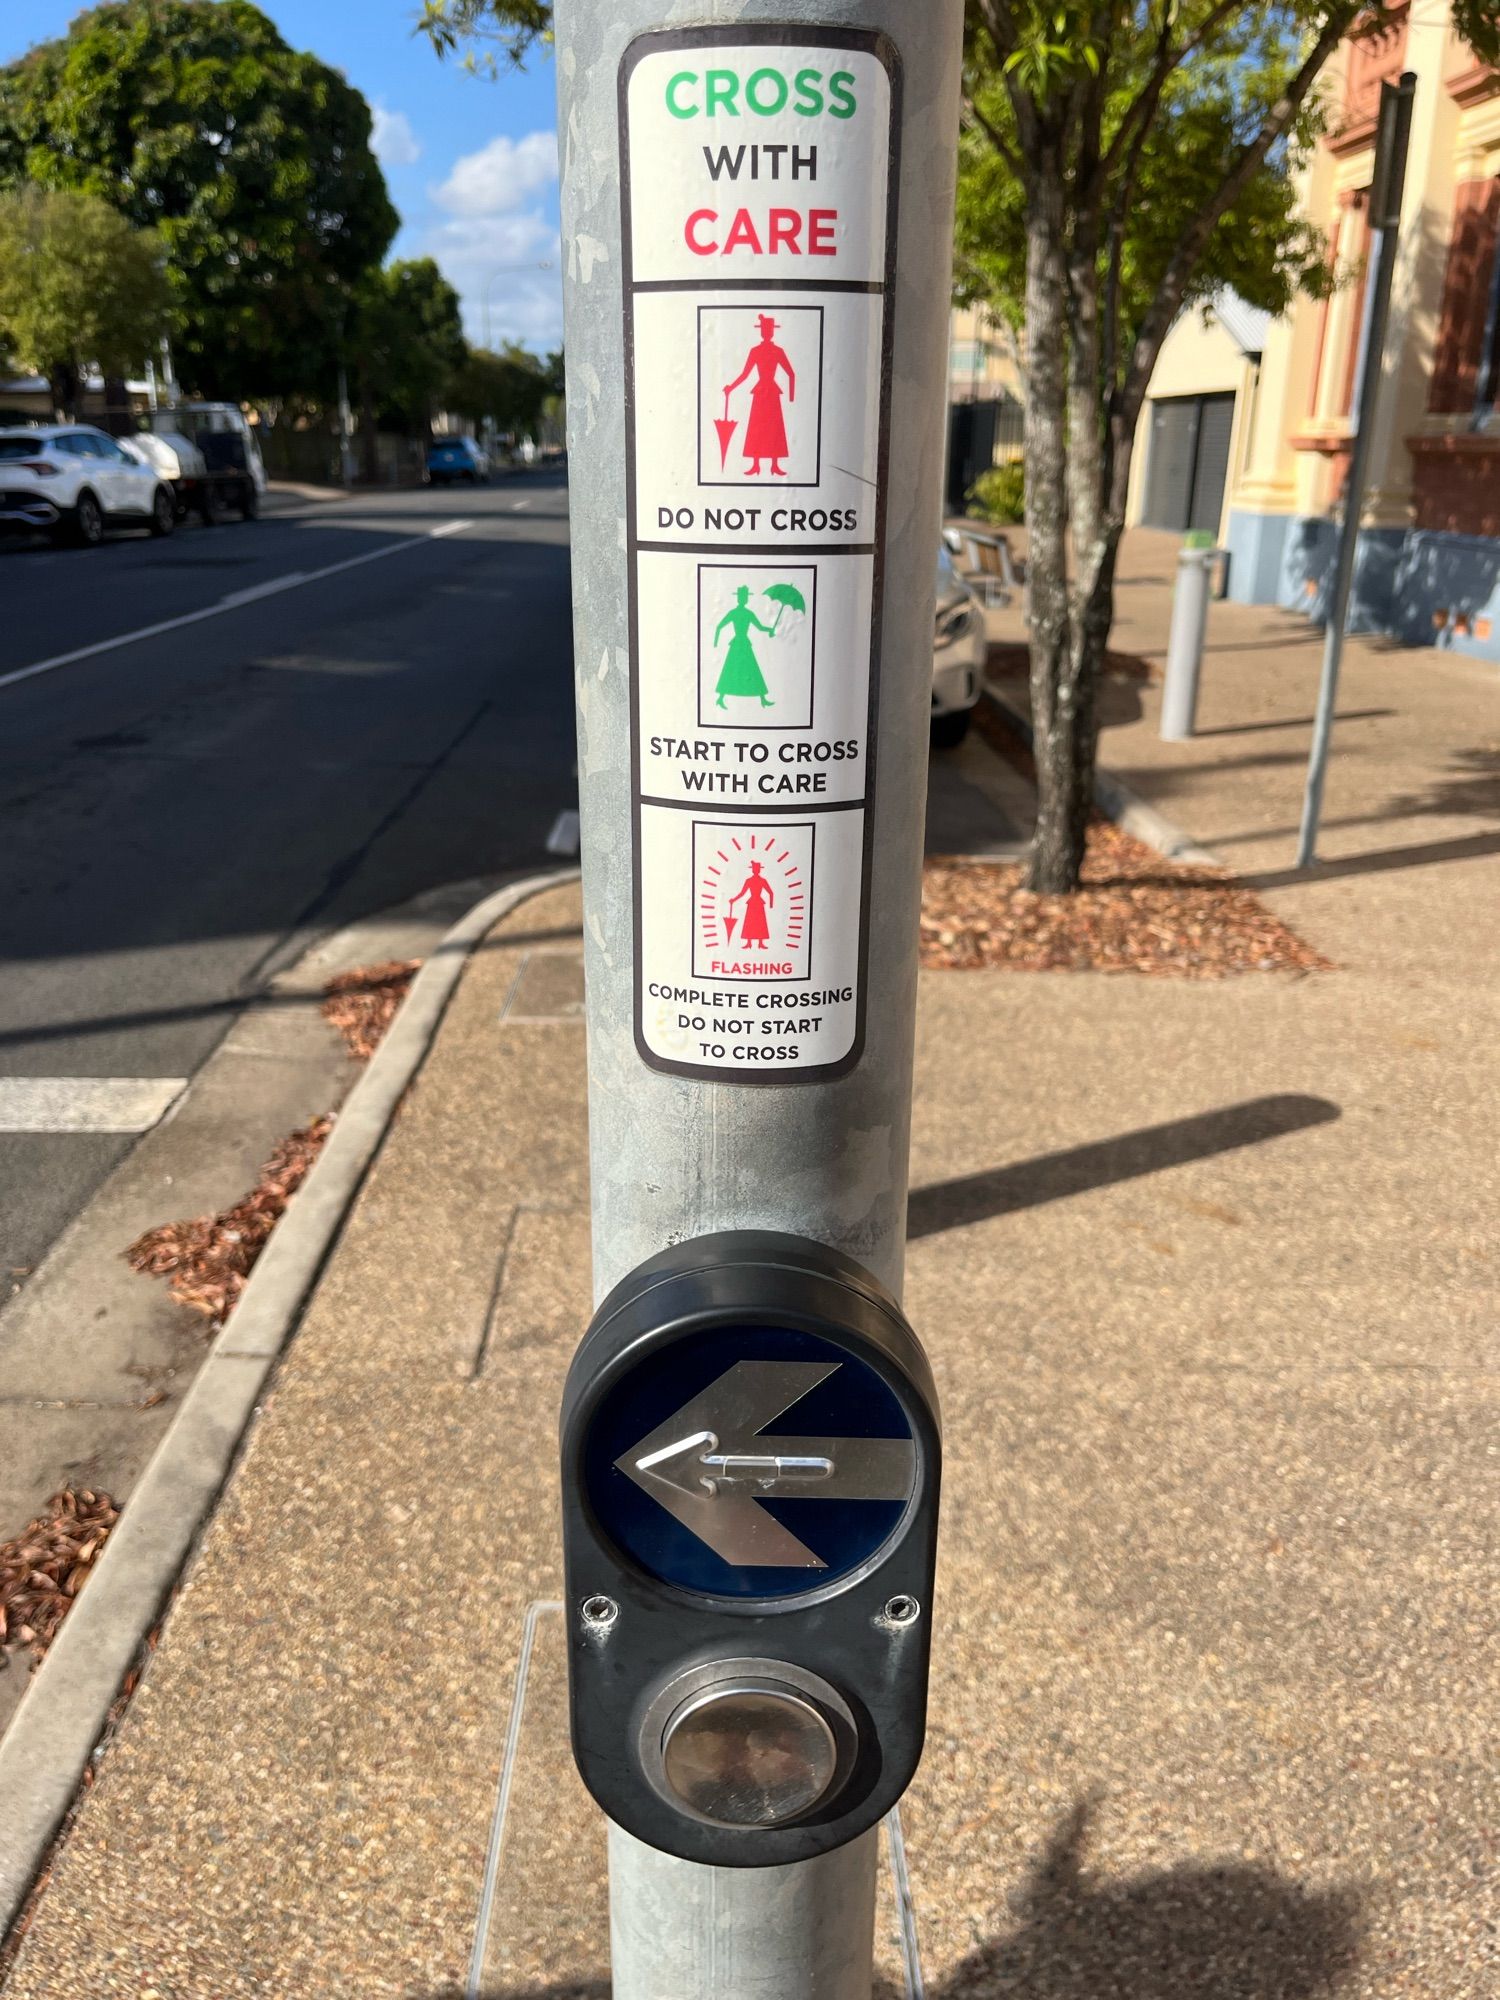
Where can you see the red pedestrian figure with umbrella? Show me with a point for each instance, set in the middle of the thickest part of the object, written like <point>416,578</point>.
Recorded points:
<point>758,899</point>
<point>765,431</point>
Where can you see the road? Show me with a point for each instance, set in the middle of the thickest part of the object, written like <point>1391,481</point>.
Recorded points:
<point>311,718</point>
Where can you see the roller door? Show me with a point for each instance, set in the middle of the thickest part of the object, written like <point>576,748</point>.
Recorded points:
<point>1188,462</point>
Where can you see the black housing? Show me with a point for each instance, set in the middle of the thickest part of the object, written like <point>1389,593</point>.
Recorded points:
<point>839,1630</point>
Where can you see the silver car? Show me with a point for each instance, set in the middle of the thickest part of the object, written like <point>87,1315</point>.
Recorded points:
<point>958,651</point>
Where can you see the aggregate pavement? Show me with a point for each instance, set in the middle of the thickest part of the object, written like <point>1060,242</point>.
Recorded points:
<point>1207,1274</point>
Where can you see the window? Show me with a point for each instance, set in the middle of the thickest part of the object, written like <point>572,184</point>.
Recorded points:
<point>1466,365</point>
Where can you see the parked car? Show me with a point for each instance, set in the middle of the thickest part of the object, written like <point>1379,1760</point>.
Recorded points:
<point>210,456</point>
<point>456,458</point>
<point>72,481</point>
<point>958,650</point>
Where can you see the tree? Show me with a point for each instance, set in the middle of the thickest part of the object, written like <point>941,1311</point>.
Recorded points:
<point>1120,158</point>
<point>252,163</point>
<point>405,339</point>
<point>511,388</point>
<point>78,286</point>
<point>489,31</point>
<point>1119,161</point>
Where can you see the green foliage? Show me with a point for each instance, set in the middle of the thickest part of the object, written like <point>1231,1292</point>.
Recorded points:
<point>251,161</point>
<point>405,340</point>
<point>1000,494</point>
<point>489,31</point>
<point>1261,246</point>
<point>1478,21</point>
<point>511,388</point>
<point>1053,46</point>
<point>78,286</point>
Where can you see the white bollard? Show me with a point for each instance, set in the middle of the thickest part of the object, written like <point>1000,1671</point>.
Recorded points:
<point>1179,695</point>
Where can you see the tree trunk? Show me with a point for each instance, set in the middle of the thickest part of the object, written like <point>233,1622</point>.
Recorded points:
<point>1057,849</point>
<point>116,417</point>
<point>368,437</point>
<point>62,379</point>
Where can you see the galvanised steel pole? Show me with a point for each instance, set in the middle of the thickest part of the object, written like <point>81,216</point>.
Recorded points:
<point>750,1055</point>
<point>1388,184</point>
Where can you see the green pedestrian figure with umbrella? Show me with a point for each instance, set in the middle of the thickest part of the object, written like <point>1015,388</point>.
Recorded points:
<point>741,673</point>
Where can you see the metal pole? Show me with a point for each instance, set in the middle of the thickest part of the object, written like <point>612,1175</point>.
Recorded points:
<point>678,1931</point>
<point>1179,695</point>
<point>678,1155</point>
<point>346,452</point>
<point>1385,222</point>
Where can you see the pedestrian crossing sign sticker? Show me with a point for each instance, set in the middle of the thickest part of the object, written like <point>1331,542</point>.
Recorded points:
<point>753,913</point>
<point>756,269</point>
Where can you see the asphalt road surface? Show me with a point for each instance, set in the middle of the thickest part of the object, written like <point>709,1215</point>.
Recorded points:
<point>214,749</point>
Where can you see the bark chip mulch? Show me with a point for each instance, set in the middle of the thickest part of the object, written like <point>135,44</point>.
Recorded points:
<point>1134,912</point>
<point>210,1258</point>
<point>48,1563</point>
<point>362,1004</point>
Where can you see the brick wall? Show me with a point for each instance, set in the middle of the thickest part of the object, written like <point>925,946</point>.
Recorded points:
<point>1456,484</point>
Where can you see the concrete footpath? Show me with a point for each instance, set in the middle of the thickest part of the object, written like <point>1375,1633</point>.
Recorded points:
<point>1207,1273</point>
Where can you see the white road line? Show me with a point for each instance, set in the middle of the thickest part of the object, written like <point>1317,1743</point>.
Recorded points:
<point>86,1103</point>
<point>563,839</point>
<point>293,580</point>
<point>254,590</point>
<point>517,505</point>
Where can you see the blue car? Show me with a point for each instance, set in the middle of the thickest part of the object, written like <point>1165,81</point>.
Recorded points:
<point>456,458</point>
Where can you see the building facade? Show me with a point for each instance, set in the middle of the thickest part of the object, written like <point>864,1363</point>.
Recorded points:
<point>1428,571</point>
<point>985,395</point>
<point>1194,430</point>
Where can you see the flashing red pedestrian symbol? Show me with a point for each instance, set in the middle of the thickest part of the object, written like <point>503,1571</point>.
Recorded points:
<point>754,901</point>
<point>760,898</point>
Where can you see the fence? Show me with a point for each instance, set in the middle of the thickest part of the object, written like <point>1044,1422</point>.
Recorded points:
<point>981,434</point>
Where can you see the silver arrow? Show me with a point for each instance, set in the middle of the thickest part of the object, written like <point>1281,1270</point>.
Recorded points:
<point>709,1466</point>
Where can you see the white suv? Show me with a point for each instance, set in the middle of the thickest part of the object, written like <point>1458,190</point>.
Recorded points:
<point>71,481</point>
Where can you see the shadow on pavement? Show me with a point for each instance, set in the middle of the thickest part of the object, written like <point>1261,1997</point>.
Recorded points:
<point>1294,722</point>
<point>1424,854</point>
<point>1231,1930</point>
<point>235,1004</point>
<point>1054,1176</point>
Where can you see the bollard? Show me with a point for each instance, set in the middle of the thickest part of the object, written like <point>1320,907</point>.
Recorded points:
<point>1179,695</point>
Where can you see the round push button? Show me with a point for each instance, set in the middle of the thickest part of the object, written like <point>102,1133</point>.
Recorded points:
<point>748,1754</point>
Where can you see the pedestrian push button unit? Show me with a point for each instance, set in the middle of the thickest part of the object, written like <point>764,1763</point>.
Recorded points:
<point>750,1483</point>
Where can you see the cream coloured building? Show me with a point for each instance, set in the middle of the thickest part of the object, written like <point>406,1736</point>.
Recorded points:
<point>1194,430</point>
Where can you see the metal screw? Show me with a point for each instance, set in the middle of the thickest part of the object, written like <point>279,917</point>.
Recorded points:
<point>599,1612</point>
<point>901,1611</point>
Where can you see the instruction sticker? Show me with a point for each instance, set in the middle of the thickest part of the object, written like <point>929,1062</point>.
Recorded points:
<point>759,185</point>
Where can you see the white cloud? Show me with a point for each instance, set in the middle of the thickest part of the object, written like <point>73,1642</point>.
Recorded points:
<point>500,176</point>
<point>495,264</point>
<point>492,235</point>
<point>391,138</point>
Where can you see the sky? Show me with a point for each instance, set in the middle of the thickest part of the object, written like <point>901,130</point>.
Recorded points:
<point>471,164</point>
